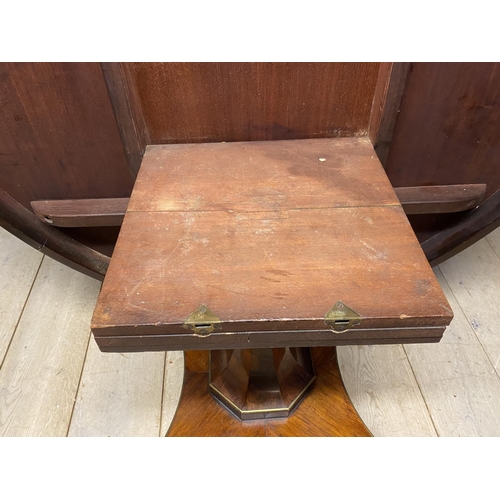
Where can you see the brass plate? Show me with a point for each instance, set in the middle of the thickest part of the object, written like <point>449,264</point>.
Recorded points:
<point>341,317</point>
<point>202,321</point>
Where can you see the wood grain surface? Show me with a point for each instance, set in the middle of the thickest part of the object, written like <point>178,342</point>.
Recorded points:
<point>440,199</point>
<point>230,261</point>
<point>389,91</point>
<point>19,265</point>
<point>41,372</point>
<point>267,236</point>
<point>475,282</point>
<point>261,383</point>
<point>110,211</point>
<point>59,138</point>
<point>127,109</point>
<point>124,390</point>
<point>460,234</point>
<point>326,411</point>
<point>81,213</point>
<point>22,223</point>
<point>58,133</point>
<point>382,387</point>
<point>261,176</point>
<point>449,117</point>
<point>172,388</point>
<point>207,102</point>
<point>457,377</point>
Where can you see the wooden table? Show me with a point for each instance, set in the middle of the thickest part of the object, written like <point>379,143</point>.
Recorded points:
<point>258,252</point>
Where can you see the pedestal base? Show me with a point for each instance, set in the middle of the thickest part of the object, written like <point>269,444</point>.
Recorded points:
<point>261,383</point>
<point>326,410</point>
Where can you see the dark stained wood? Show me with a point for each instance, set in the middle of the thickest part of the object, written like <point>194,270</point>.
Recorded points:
<point>447,128</point>
<point>440,199</point>
<point>81,213</point>
<point>100,239</point>
<point>58,134</point>
<point>269,238</point>
<point>261,383</point>
<point>208,102</point>
<point>389,91</point>
<point>24,224</point>
<point>110,211</point>
<point>128,112</point>
<point>145,341</point>
<point>471,228</point>
<point>78,130</point>
<point>59,138</point>
<point>325,411</point>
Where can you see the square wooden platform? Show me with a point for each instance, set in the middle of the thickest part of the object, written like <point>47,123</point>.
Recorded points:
<point>267,237</point>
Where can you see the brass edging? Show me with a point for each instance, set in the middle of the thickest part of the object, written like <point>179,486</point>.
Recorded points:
<point>238,411</point>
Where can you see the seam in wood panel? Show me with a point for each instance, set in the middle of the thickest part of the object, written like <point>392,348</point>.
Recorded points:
<point>421,393</point>
<point>240,211</point>
<point>491,245</point>
<point>493,365</point>
<point>79,383</point>
<point>21,314</point>
<point>163,392</point>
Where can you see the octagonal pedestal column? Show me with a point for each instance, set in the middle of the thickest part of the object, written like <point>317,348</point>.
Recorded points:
<point>261,383</point>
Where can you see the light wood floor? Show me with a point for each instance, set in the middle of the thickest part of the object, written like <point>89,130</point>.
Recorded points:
<point>55,382</point>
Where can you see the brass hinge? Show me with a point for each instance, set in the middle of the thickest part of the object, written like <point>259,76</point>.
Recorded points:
<point>341,317</point>
<point>202,321</point>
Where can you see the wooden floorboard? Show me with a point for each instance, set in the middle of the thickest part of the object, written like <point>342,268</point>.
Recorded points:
<point>40,374</point>
<point>474,278</point>
<point>494,240</point>
<point>119,395</point>
<point>172,386</point>
<point>383,389</point>
<point>457,379</point>
<point>19,264</point>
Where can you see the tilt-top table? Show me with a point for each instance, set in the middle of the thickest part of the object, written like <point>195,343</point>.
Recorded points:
<point>255,253</point>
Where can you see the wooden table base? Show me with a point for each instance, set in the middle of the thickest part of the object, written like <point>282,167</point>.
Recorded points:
<point>325,411</point>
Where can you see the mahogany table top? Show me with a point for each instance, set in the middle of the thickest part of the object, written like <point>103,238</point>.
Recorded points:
<point>239,245</point>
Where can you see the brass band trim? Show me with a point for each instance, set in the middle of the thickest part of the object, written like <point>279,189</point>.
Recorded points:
<point>240,413</point>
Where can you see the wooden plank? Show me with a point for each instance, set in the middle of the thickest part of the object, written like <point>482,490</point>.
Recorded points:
<point>391,83</point>
<point>474,278</point>
<point>81,213</point>
<point>440,199</point>
<point>379,99</point>
<point>40,374</point>
<point>21,222</point>
<point>261,176</point>
<point>161,276</point>
<point>383,389</point>
<point>468,230</point>
<point>264,339</point>
<point>456,377</point>
<point>18,267</point>
<point>110,211</point>
<point>207,102</point>
<point>128,112</point>
<point>494,240</point>
<point>172,388</point>
<point>119,395</point>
